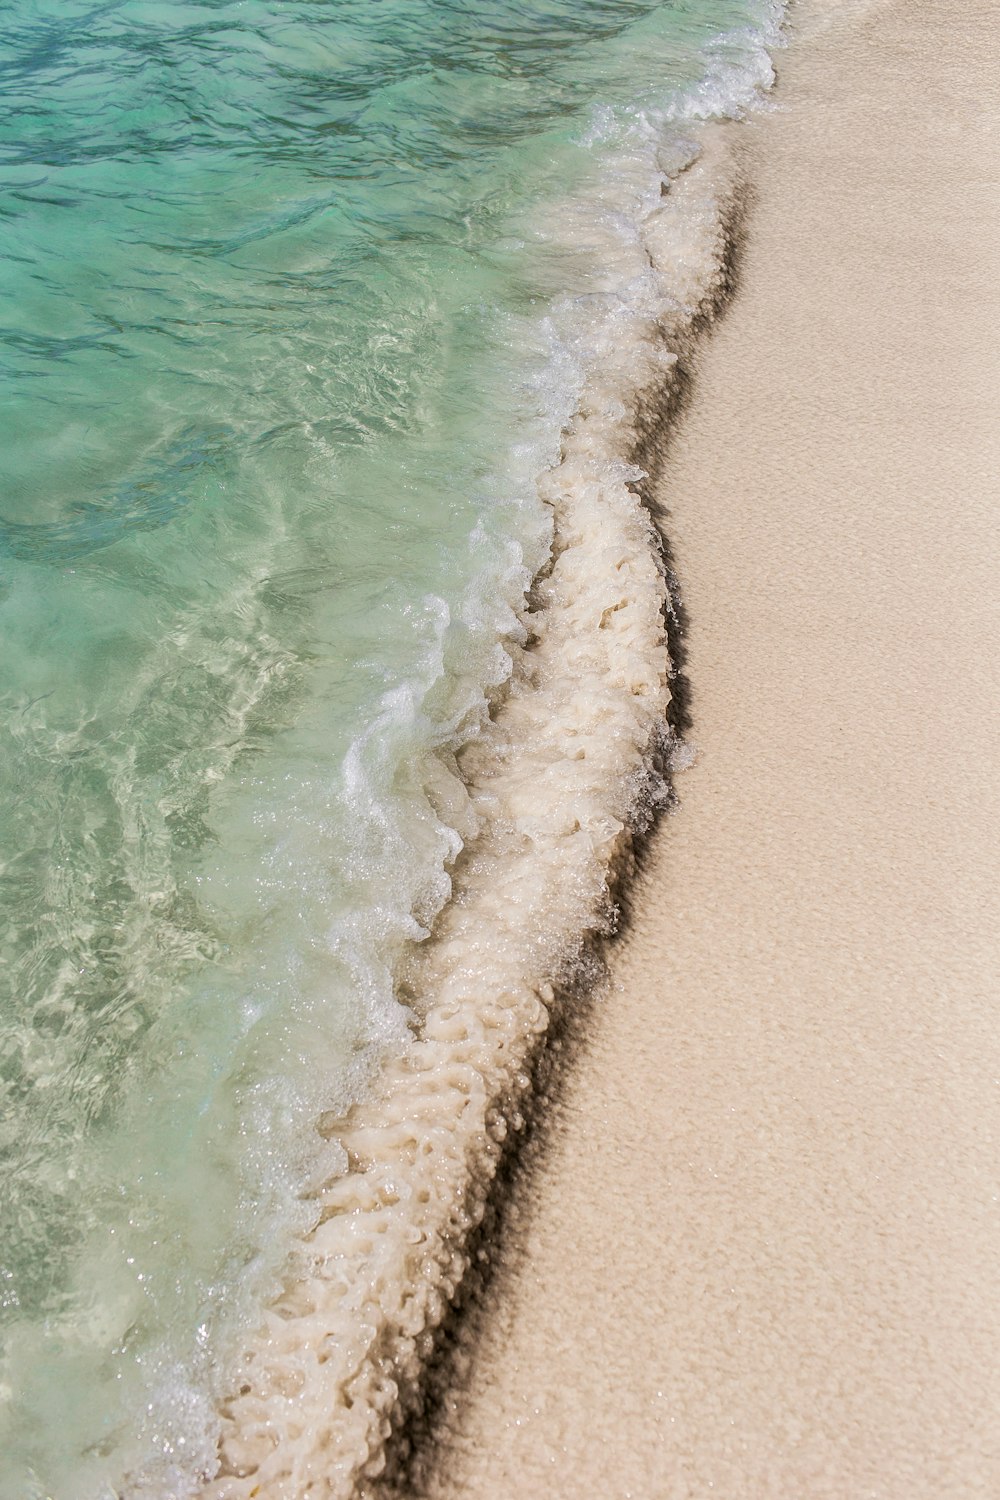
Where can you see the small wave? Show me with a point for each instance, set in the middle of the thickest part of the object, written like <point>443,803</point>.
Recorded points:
<point>557,780</point>
<point>201,855</point>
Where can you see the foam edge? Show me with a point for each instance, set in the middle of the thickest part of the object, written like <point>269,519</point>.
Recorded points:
<point>567,772</point>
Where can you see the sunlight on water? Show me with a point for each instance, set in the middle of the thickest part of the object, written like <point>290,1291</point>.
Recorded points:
<point>276,386</point>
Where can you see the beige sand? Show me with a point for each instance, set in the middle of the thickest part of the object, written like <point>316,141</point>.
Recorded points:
<point>763,1254</point>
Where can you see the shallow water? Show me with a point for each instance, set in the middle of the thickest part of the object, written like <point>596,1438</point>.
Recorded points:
<point>280,371</point>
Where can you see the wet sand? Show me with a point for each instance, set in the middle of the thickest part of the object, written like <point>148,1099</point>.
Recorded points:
<point>760,1257</point>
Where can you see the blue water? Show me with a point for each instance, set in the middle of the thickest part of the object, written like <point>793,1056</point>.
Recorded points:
<point>276,383</point>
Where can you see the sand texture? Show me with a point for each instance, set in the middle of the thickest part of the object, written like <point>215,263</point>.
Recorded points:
<point>760,1256</point>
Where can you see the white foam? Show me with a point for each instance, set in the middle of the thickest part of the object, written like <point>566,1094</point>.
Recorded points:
<point>553,781</point>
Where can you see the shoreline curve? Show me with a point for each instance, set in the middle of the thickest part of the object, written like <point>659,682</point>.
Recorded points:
<point>568,773</point>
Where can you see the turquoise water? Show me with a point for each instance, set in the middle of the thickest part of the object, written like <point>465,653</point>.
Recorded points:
<point>278,374</point>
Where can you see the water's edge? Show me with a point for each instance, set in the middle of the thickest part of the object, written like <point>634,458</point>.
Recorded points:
<point>415,1453</point>
<point>566,781</point>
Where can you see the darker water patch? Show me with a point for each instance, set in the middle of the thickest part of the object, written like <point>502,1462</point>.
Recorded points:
<point>152,498</point>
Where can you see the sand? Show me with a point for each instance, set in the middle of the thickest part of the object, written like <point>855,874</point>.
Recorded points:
<point>760,1254</point>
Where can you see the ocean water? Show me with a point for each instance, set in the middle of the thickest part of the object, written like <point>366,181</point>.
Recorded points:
<point>297,300</point>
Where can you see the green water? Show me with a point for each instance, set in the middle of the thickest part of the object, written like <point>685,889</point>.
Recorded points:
<point>278,373</point>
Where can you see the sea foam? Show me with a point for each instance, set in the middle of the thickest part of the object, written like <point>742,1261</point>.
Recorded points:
<point>557,779</point>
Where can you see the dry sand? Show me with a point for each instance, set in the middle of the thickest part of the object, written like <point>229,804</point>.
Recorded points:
<point>762,1256</point>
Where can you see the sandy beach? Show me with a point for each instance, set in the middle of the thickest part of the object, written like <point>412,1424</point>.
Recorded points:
<point>759,1254</point>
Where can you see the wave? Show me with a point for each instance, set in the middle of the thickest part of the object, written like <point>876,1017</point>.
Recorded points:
<point>555,783</point>
<point>567,768</point>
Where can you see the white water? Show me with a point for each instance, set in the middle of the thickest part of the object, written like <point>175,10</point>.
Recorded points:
<point>554,782</point>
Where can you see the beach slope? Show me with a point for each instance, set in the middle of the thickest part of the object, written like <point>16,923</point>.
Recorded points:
<point>759,1257</point>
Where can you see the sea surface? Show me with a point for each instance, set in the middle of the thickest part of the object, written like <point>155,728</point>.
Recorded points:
<point>285,304</point>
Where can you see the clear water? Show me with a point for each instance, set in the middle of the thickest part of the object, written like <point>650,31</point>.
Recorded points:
<point>276,383</point>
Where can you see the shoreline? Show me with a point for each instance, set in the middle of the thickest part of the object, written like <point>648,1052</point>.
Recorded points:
<point>597,274</point>
<point>750,1251</point>
<point>564,774</point>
